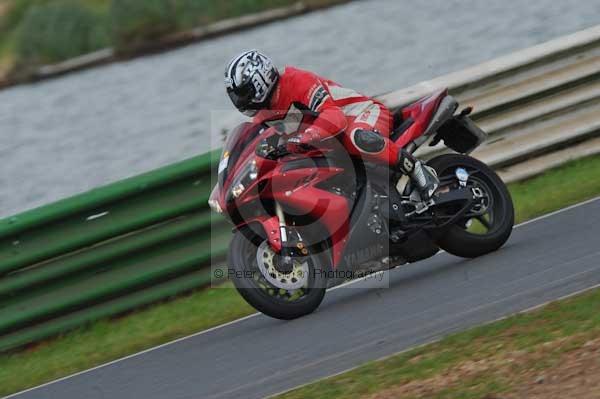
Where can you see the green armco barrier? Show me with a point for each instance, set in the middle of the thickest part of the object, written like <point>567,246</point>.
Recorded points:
<point>112,192</point>
<point>104,213</point>
<point>110,308</point>
<point>108,251</point>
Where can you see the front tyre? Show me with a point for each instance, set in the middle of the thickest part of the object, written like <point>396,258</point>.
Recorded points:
<point>282,296</point>
<point>488,225</point>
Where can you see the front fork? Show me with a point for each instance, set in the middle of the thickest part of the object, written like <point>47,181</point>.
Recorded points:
<point>291,242</point>
<point>282,226</point>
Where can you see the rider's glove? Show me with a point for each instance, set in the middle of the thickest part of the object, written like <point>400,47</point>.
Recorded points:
<point>304,141</point>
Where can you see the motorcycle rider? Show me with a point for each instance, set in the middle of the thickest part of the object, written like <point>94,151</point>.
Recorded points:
<point>362,124</point>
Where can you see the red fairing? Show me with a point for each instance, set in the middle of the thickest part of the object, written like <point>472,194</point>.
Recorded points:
<point>270,225</point>
<point>296,190</point>
<point>329,209</point>
<point>421,112</point>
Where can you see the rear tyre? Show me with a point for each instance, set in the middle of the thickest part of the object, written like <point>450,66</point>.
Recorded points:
<point>489,225</point>
<point>261,293</point>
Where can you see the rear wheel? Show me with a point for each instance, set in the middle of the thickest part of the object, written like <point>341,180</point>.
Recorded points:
<point>488,224</point>
<point>280,295</point>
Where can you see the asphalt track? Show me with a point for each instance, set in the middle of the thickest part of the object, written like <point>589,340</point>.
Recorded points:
<point>545,259</point>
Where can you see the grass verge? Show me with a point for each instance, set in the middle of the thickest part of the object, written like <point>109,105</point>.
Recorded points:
<point>39,32</point>
<point>109,339</point>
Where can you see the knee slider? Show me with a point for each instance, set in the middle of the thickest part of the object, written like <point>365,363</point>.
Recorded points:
<point>368,140</point>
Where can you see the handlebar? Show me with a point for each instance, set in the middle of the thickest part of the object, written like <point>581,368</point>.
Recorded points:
<point>280,151</point>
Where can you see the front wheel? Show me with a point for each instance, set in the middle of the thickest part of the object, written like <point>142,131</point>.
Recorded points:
<point>280,295</point>
<point>488,225</point>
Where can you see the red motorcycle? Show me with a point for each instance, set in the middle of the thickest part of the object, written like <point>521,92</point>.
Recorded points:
<point>304,223</point>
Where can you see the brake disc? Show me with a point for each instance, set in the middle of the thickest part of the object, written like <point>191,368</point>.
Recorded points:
<point>297,278</point>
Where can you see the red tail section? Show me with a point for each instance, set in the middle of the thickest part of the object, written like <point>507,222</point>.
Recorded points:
<point>421,113</point>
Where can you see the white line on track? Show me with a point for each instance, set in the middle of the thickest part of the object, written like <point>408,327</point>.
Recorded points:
<point>331,289</point>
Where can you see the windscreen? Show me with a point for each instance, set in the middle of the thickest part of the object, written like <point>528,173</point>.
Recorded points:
<point>235,143</point>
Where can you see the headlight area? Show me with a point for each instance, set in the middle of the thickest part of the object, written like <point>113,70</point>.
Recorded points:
<point>245,178</point>
<point>214,205</point>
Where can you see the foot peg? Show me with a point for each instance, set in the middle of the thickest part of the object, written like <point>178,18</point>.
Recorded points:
<point>420,206</point>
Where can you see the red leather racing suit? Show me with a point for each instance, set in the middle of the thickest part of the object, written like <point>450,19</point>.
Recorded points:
<point>341,111</point>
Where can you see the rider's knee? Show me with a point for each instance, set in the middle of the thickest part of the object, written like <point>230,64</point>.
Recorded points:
<point>368,141</point>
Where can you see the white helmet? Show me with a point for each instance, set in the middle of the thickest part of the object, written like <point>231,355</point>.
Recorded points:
<point>250,79</point>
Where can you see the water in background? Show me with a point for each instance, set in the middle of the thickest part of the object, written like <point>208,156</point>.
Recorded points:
<point>68,135</point>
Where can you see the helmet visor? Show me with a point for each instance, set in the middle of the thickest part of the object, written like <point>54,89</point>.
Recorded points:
<point>242,96</point>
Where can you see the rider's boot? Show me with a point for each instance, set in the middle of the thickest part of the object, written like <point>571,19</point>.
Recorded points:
<point>423,176</point>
